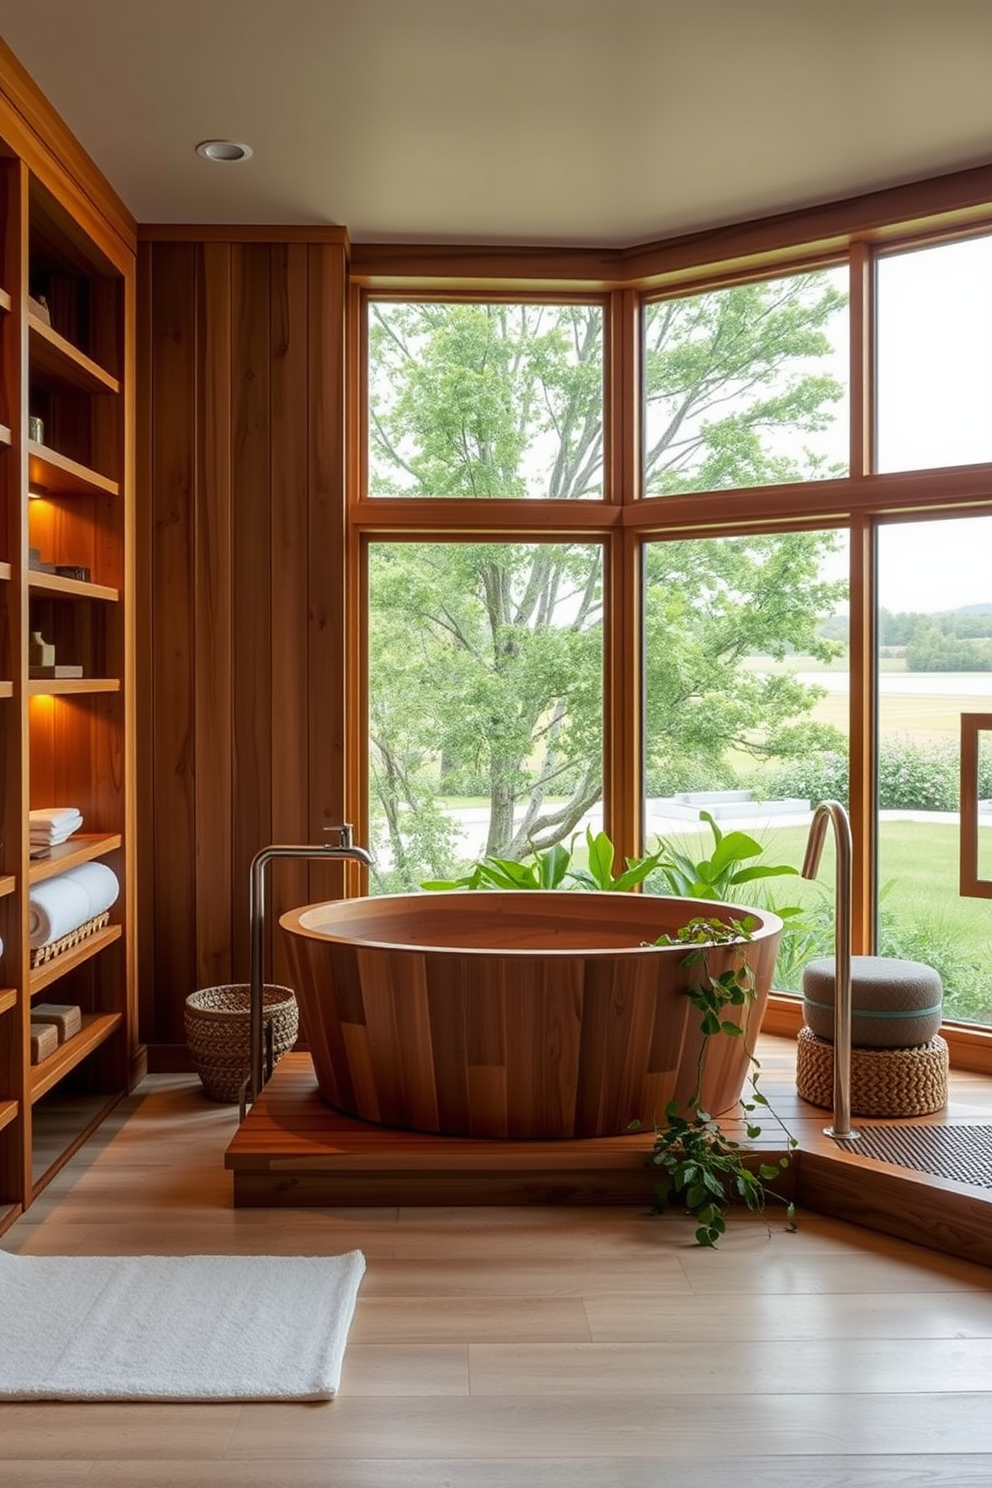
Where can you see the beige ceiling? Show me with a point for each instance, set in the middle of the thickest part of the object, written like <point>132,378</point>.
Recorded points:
<point>604,122</point>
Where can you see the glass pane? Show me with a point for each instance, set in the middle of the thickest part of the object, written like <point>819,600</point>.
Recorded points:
<point>934,356</point>
<point>747,386</point>
<point>747,680</point>
<point>935,655</point>
<point>482,400</point>
<point>485,703</point>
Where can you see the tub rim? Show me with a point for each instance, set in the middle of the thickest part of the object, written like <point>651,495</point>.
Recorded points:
<point>292,921</point>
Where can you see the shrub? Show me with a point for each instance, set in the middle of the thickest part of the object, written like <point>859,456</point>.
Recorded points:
<point>911,776</point>
<point>967,981</point>
<point>817,777</point>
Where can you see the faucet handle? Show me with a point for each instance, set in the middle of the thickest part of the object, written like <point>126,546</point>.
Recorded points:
<point>343,830</point>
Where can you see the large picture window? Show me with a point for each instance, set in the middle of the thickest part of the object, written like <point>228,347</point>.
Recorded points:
<point>934,357</point>
<point>747,386</point>
<point>573,655</point>
<point>485,702</point>
<point>485,400</point>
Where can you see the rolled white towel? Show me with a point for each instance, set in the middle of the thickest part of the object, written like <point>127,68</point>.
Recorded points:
<point>99,883</point>
<point>56,907</point>
<point>60,905</point>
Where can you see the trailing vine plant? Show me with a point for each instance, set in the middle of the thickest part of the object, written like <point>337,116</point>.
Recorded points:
<point>701,1169</point>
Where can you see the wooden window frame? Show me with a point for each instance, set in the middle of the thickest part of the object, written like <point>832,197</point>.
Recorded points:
<point>857,231</point>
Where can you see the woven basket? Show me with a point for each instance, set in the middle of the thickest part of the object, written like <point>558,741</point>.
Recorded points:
<point>43,954</point>
<point>884,1082</point>
<point>218,1032</point>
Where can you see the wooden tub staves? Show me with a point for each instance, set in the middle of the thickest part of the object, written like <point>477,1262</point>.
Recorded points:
<point>524,1015</point>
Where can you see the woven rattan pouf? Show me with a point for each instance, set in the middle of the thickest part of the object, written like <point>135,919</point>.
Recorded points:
<point>884,1082</point>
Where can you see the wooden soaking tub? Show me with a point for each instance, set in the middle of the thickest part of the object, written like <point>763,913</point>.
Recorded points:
<point>488,1014</point>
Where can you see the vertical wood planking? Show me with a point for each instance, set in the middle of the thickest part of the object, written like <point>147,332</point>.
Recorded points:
<point>252,598</point>
<point>173,635</point>
<point>329,599</point>
<point>242,556</point>
<point>144,813</point>
<point>289,566</point>
<point>212,663</point>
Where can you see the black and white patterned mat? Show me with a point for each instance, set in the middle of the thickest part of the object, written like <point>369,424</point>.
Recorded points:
<point>960,1153</point>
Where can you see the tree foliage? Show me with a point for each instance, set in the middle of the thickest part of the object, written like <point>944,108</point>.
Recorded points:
<point>485,658</point>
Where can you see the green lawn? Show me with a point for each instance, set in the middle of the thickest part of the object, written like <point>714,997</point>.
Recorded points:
<point>923,916</point>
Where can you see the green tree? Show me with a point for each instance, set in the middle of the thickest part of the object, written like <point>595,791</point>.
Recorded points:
<point>485,658</point>
<point>710,604</point>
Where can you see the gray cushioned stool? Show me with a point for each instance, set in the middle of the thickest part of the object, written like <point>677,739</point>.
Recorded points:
<point>895,1004</point>
<point>898,1059</point>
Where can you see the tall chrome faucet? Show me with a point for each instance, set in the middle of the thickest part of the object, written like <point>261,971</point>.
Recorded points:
<point>343,848</point>
<point>834,812</point>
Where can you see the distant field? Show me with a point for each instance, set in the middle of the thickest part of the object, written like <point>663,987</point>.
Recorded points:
<point>916,714</point>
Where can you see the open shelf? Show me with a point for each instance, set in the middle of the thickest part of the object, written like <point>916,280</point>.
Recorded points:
<point>67,314</point>
<point>70,588</point>
<point>66,686</point>
<point>54,970</point>
<point>83,847</point>
<point>52,474</point>
<point>96,1029</point>
<point>60,1123</point>
<point>60,364</point>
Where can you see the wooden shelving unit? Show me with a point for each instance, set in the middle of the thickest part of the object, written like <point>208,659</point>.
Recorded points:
<point>95,1031</point>
<point>54,970</point>
<point>66,500</point>
<point>71,588</point>
<point>82,847</point>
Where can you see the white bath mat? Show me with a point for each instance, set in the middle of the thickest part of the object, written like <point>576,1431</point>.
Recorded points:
<point>175,1327</point>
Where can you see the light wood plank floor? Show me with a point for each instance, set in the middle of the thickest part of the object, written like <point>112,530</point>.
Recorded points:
<point>530,1347</point>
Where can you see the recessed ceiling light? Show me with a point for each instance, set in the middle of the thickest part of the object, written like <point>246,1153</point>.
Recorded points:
<point>225,150</point>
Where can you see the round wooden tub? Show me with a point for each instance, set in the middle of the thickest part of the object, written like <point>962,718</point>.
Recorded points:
<point>489,1014</point>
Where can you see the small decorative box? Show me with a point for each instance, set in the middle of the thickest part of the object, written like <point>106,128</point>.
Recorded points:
<point>44,1041</point>
<point>63,1017</point>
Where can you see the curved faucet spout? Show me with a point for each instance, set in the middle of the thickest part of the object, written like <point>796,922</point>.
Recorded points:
<point>835,813</point>
<point>343,848</point>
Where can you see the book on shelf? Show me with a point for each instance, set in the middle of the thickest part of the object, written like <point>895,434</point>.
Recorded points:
<point>61,669</point>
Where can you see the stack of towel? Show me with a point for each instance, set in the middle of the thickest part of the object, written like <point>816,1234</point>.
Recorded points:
<point>60,905</point>
<point>51,825</point>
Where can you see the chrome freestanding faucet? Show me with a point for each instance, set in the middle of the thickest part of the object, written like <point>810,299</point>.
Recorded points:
<point>834,812</point>
<point>343,848</point>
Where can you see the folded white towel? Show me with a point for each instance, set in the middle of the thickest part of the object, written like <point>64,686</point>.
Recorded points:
<point>53,839</point>
<point>53,832</point>
<point>53,816</point>
<point>60,905</point>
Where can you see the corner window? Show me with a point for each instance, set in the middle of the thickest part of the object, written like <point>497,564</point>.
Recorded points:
<point>747,386</point>
<point>480,400</point>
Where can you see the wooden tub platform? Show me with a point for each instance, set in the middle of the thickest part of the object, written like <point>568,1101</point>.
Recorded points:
<point>293,1151</point>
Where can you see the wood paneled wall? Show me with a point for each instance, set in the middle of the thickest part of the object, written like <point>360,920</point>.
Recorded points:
<point>242,603</point>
